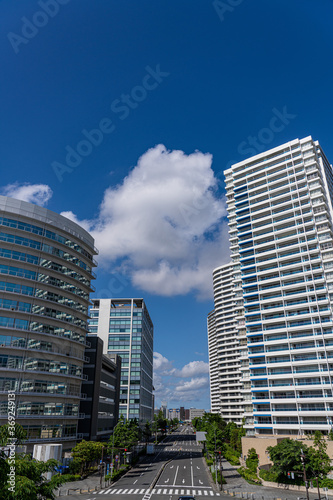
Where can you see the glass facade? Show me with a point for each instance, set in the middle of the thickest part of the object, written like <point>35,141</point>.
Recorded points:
<point>127,330</point>
<point>43,318</point>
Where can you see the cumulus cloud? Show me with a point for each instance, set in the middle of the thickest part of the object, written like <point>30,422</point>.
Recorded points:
<point>170,385</point>
<point>192,369</point>
<point>163,224</point>
<point>39,194</point>
<point>192,385</point>
<point>160,362</point>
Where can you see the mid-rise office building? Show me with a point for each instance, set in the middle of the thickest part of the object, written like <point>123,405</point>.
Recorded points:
<point>101,389</point>
<point>126,329</point>
<point>280,224</point>
<point>196,413</point>
<point>46,272</point>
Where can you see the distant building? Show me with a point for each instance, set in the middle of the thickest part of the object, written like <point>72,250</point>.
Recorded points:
<point>101,390</point>
<point>182,413</point>
<point>196,413</point>
<point>126,329</point>
<point>164,408</point>
<point>187,415</point>
<point>173,413</point>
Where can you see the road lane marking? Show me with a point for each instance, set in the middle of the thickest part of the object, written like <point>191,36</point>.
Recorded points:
<point>205,492</point>
<point>199,492</point>
<point>192,475</point>
<point>165,491</point>
<point>136,491</point>
<point>176,475</point>
<point>135,481</point>
<point>211,493</point>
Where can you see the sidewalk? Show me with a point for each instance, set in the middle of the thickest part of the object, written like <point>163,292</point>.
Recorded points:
<point>91,483</point>
<point>237,486</point>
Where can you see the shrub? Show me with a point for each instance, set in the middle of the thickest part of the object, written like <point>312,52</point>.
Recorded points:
<point>248,475</point>
<point>70,477</point>
<point>218,477</point>
<point>117,475</point>
<point>268,475</point>
<point>209,462</point>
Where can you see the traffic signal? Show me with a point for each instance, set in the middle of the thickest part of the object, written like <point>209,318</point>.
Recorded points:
<point>125,450</point>
<point>288,475</point>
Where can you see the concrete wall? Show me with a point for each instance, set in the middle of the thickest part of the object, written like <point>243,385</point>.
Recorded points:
<point>260,444</point>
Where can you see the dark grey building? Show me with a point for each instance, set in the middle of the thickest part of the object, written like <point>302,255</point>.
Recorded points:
<point>100,403</point>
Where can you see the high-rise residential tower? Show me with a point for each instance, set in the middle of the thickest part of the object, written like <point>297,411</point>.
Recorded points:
<point>226,344</point>
<point>280,224</point>
<point>126,329</point>
<point>46,272</point>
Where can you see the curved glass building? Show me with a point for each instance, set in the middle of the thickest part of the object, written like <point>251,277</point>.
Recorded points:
<point>46,264</point>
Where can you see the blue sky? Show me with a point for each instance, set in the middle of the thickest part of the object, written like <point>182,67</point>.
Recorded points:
<point>123,115</point>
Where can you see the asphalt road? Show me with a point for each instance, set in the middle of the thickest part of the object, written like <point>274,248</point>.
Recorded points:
<point>183,472</point>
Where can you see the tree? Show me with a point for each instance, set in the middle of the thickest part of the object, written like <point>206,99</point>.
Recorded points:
<point>125,435</point>
<point>286,457</point>
<point>319,461</point>
<point>25,474</point>
<point>86,452</point>
<point>252,460</point>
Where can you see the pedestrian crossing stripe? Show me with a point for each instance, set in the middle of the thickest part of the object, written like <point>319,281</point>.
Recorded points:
<point>158,491</point>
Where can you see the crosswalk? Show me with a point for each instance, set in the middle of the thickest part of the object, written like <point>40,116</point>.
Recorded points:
<point>158,491</point>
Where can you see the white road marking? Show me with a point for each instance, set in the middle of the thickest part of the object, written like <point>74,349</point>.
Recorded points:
<point>135,481</point>
<point>176,475</point>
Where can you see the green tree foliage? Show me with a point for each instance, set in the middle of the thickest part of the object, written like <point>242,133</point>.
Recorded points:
<point>319,461</point>
<point>85,453</point>
<point>125,435</point>
<point>286,457</point>
<point>10,434</point>
<point>27,473</point>
<point>252,460</point>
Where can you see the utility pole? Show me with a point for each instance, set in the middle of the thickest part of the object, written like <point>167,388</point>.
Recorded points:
<point>215,457</point>
<point>101,468</point>
<point>304,474</point>
<point>221,468</point>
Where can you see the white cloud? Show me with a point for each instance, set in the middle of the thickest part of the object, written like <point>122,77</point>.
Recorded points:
<point>160,362</point>
<point>163,224</point>
<point>170,385</point>
<point>193,368</point>
<point>39,194</point>
<point>192,385</point>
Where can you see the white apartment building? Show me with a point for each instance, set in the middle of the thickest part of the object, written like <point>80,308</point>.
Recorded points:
<point>226,342</point>
<point>280,220</point>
